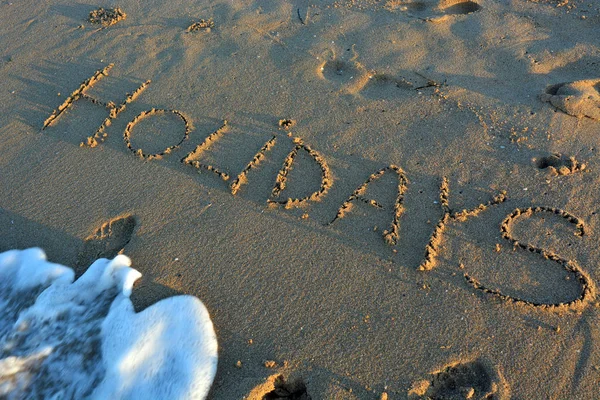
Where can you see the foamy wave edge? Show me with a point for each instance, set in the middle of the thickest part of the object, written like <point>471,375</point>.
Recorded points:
<point>61,338</point>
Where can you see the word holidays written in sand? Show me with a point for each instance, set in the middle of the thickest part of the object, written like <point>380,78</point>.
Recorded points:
<point>390,235</point>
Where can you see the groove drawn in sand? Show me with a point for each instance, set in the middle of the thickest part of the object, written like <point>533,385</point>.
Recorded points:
<point>77,94</point>
<point>281,179</point>
<point>282,176</point>
<point>241,179</point>
<point>100,135</point>
<point>587,287</point>
<point>146,114</point>
<point>558,164</point>
<point>439,10</point>
<point>107,241</point>
<point>197,152</point>
<point>462,380</point>
<point>579,98</point>
<point>114,110</point>
<point>392,234</point>
<point>432,247</point>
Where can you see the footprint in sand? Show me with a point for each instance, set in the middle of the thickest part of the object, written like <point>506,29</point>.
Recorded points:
<point>107,241</point>
<point>439,10</point>
<point>354,78</point>
<point>579,98</point>
<point>384,86</point>
<point>341,72</point>
<point>462,380</point>
<point>558,164</point>
<point>277,388</point>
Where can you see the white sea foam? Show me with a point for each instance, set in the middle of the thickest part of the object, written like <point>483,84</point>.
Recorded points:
<point>61,339</point>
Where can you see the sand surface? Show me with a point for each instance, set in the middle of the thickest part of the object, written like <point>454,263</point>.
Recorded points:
<point>387,118</point>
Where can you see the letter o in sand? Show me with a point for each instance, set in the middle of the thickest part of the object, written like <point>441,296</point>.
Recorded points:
<point>147,114</point>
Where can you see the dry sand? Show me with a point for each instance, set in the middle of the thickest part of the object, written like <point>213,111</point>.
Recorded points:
<point>473,98</point>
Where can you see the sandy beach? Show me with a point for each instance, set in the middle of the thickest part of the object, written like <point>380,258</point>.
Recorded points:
<point>373,199</point>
